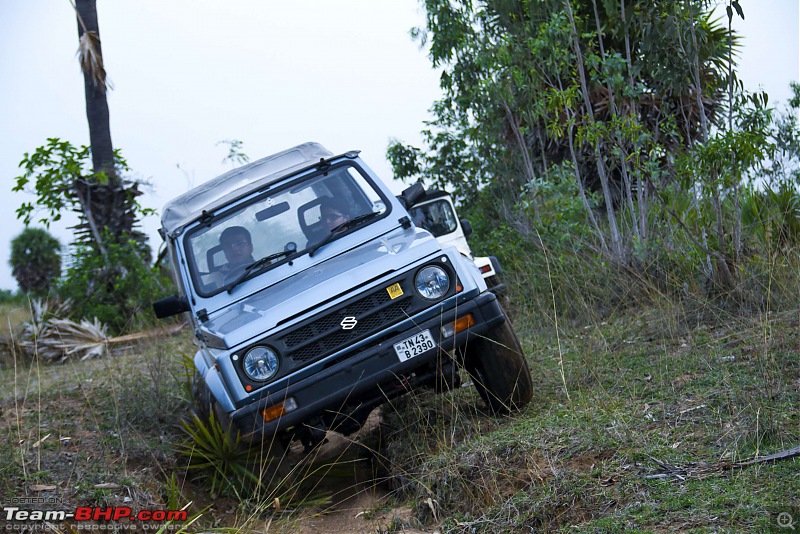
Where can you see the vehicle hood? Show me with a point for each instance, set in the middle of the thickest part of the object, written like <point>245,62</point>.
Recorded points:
<point>456,239</point>
<point>307,291</point>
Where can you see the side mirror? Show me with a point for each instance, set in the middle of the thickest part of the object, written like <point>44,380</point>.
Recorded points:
<point>466,226</point>
<point>411,194</point>
<point>170,306</point>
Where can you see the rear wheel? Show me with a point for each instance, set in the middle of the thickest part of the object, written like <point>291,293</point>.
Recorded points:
<point>499,370</point>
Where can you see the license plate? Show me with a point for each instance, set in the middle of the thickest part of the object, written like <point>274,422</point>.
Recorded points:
<point>414,345</point>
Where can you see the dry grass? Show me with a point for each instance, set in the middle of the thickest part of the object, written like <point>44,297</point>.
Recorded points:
<point>665,386</point>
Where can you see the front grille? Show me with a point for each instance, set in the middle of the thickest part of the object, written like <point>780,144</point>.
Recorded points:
<point>332,321</point>
<point>326,335</point>
<point>322,335</point>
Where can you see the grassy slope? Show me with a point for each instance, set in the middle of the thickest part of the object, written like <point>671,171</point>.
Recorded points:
<point>635,391</point>
<point>84,425</point>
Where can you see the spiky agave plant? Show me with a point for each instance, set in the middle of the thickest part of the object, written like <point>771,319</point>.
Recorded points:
<point>258,476</point>
<point>216,456</point>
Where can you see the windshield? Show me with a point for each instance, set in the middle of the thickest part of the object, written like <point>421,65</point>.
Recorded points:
<point>273,228</point>
<point>436,217</point>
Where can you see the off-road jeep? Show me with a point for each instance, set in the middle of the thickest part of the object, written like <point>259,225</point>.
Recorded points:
<point>436,213</point>
<point>323,322</point>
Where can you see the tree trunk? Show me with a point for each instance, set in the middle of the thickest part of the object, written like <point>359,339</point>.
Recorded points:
<point>623,163</point>
<point>530,174</point>
<point>106,205</point>
<point>96,101</point>
<point>616,239</point>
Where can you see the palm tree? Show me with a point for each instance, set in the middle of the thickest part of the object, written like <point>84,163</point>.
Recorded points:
<point>106,199</point>
<point>95,84</point>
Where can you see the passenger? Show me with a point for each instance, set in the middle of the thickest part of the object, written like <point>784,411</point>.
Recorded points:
<point>334,213</point>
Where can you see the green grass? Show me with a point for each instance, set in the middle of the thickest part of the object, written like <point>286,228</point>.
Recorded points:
<point>79,425</point>
<point>578,459</point>
<point>642,389</point>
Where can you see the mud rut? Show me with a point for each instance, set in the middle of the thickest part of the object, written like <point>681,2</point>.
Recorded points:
<point>358,498</point>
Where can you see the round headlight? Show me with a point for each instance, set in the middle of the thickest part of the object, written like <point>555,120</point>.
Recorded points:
<point>432,282</point>
<point>260,363</point>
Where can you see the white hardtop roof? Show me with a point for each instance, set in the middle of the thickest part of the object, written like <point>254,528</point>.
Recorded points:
<point>221,190</point>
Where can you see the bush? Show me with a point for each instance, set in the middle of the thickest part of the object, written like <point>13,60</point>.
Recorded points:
<point>550,258</point>
<point>117,288</point>
<point>10,297</point>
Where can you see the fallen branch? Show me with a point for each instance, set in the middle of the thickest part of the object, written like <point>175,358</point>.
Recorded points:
<point>701,471</point>
<point>782,455</point>
<point>59,339</point>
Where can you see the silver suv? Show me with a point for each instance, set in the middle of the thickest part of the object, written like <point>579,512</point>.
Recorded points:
<point>315,298</point>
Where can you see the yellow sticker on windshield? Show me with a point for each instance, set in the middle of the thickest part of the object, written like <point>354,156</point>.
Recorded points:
<point>394,291</point>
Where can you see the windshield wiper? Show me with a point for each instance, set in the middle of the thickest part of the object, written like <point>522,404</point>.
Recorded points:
<point>253,267</point>
<point>340,228</point>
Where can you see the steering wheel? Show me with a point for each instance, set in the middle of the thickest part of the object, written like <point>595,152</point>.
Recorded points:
<point>233,274</point>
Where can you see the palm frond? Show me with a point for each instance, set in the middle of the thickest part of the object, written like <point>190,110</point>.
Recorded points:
<point>87,338</point>
<point>91,59</point>
<point>52,338</point>
<point>58,339</point>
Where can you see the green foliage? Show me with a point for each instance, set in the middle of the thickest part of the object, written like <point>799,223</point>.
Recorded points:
<point>52,170</point>
<point>35,260</point>
<point>602,148</point>
<point>58,174</point>
<point>236,156</point>
<point>116,288</point>
<point>10,297</point>
<point>108,274</point>
<point>771,216</point>
<point>547,262</point>
<point>512,85</point>
<point>723,159</point>
<point>53,173</point>
<point>216,457</point>
<point>784,162</point>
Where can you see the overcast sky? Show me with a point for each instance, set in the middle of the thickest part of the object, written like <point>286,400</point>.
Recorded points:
<point>188,74</point>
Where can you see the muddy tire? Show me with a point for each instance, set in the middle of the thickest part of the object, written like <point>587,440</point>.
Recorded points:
<point>499,370</point>
<point>204,403</point>
<point>493,283</point>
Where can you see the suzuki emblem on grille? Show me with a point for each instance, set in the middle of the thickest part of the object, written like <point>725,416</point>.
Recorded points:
<point>348,323</point>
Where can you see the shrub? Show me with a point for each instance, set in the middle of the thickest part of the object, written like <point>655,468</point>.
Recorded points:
<point>116,287</point>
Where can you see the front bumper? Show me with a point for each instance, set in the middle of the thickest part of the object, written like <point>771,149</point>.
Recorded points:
<point>358,376</point>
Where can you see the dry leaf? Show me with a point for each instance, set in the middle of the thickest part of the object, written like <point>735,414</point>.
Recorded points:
<point>35,445</point>
<point>107,485</point>
<point>42,487</point>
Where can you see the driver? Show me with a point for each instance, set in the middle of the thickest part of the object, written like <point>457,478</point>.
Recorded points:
<point>237,246</point>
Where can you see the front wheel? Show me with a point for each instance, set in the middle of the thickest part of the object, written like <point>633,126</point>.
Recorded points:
<point>499,370</point>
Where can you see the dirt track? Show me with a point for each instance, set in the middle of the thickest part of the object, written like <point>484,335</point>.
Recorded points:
<point>360,501</point>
